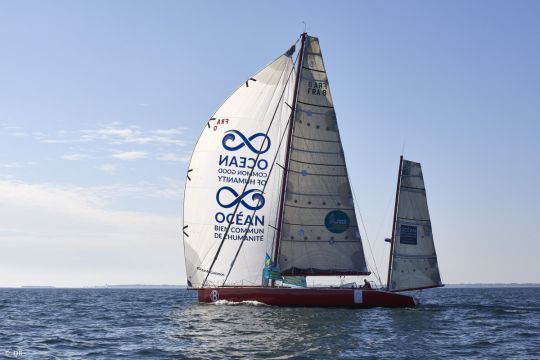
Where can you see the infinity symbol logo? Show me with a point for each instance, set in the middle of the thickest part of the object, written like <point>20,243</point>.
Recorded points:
<point>231,136</point>
<point>256,197</point>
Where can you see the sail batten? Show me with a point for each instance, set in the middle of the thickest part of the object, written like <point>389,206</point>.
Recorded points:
<point>319,234</point>
<point>414,262</point>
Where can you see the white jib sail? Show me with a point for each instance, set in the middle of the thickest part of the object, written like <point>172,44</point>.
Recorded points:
<point>414,260</point>
<point>237,139</point>
<point>320,234</point>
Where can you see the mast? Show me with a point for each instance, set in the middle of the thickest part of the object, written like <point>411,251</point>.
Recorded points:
<point>288,148</point>
<point>390,258</point>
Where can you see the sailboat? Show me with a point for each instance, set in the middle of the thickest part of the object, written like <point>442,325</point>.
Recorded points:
<point>268,201</point>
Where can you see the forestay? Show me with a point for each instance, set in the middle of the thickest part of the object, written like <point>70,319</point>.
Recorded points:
<point>320,234</point>
<point>243,135</point>
<point>414,261</point>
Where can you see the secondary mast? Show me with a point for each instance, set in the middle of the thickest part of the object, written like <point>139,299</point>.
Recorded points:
<point>394,223</point>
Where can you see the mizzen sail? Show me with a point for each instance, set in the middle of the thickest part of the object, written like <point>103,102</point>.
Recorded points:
<point>413,263</point>
<point>319,230</point>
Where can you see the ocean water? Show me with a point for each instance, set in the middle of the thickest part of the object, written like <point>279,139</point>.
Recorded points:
<point>169,323</point>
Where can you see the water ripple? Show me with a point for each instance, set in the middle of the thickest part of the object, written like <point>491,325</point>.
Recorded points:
<point>167,324</point>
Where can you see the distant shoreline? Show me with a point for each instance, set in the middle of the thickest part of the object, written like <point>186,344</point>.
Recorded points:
<point>166,286</point>
<point>494,285</point>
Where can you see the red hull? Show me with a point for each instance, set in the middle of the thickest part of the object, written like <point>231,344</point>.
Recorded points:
<point>318,297</point>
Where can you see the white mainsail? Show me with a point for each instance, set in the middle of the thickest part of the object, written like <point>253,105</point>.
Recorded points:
<point>319,230</point>
<point>223,194</point>
<point>413,259</point>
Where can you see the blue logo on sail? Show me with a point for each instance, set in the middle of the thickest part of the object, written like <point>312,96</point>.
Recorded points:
<point>408,234</point>
<point>256,196</point>
<point>230,136</point>
<point>337,221</point>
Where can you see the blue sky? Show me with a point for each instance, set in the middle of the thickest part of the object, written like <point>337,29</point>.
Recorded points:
<point>101,103</point>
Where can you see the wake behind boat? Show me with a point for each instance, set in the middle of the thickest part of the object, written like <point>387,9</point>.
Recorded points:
<point>268,199</point>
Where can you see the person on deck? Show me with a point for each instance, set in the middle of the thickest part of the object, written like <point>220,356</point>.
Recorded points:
<point>367,285</point>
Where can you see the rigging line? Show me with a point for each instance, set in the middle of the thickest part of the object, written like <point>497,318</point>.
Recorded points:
<point>264,186</point>
<point>263,189</point>
<point>270,171</point>
<point>183,204</point>
<point>248,180</point>
<point>246,184</point>
<point>255,211</point>
<point>367,237</point>
<point>383,219</point>
<point>290,132</point>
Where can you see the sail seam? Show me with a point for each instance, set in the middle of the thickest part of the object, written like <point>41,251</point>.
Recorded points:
<point>311,139</point>
<point>414,257</point>
<point>318,164</point>
<point>412,188</point>
<point>314,174</point>
<point>286,223</point>
<point>318,152</point>
<point>332,242</point>
<point>310,69</point>
<point>419,288</point>
<point>317,208</point>
<point>306,194</point>
<point>421,220</point>
<point>308,104</point>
